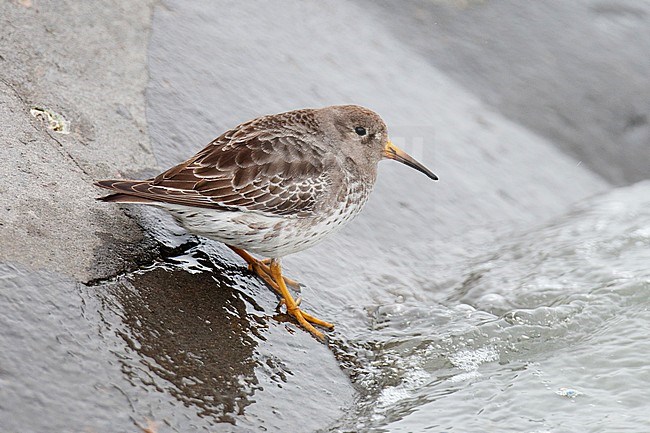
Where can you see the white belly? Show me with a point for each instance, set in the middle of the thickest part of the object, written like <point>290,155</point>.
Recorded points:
<point>270,236</point>
<point>259,234</point>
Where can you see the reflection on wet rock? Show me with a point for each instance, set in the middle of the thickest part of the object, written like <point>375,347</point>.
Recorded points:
<point>180,323</point>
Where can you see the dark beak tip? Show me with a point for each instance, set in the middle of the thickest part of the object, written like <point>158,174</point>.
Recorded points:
<point>419,167</point>
<point>399,156</point>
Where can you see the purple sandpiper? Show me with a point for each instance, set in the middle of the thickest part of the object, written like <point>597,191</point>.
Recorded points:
<point>275,185</point>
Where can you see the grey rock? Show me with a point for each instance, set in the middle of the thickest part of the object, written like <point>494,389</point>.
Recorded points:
<point>87,64</point>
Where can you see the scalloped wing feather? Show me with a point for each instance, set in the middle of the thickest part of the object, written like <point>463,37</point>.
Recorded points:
<point>260,166</point>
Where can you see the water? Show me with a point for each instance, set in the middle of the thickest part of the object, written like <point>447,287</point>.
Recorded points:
<point>547,331</point>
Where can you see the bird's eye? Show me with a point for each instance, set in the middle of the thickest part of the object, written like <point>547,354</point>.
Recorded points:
<point>360,130</point>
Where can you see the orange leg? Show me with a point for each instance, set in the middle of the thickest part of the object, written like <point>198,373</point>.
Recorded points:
<point>261,268</point>
<point>292,308</point>
<point>270,271</point>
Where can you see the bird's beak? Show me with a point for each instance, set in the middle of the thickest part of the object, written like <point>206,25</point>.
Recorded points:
<point>393,152</point>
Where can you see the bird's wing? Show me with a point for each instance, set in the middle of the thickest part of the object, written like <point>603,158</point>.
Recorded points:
<point>258,167</point>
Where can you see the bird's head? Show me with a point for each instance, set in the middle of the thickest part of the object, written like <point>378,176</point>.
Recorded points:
<point>363,135</point>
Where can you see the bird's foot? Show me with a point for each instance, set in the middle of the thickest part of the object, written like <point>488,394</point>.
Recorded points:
<point>316,321</point>
<point>303,318</point>
<point>292,308</point>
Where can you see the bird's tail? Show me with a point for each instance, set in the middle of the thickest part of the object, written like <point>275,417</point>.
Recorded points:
<point>123,191</point>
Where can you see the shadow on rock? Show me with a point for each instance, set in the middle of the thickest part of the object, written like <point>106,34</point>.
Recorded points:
<point>192,331</point>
